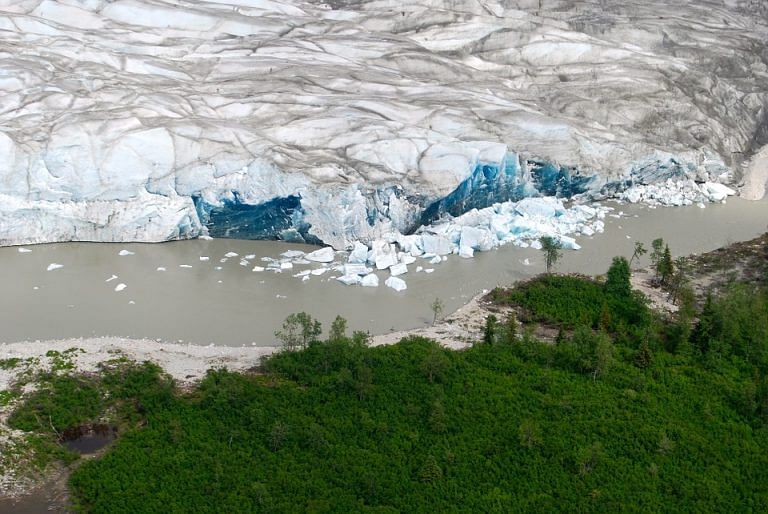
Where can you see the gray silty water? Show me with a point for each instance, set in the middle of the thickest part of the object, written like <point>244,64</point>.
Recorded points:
<point>236,306</point>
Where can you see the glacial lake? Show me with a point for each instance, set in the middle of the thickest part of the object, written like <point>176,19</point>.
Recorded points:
<point>236,306</point>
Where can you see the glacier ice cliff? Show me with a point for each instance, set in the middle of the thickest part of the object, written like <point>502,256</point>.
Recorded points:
<point>335,122</point>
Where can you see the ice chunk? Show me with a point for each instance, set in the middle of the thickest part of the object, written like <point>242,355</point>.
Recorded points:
<point>370,280</point>
<point>569,243</point>
<point>110,279</point>
<point>203,258</point>
<point>229,255</point>
<point>323,255</point>
<point>301,274</point>
<point>243,262</point>
<point>717,192</point>
<point>526,262</point>
<point>305,278</point>
<point>419,269</point>
<point>477,239</point>
<point>250,256</point>
<point>319,271</point>
<point>349,279</point>
<point>184,266</point>
<point>291,254</point>
<point>52,266</point>
<point>123,253</point>
<point>24,250</point>
<point>120,287</point>
<point>355,269</point>
<point>436,260</point>
<point>438,245</point>
<point>359,254</point>
<point>429,270</point>
<point>398,269</point>
<point>286,265</point>
<point>546,207</point>
<point>407,259</point>
<point>258,268</point>
<point>384,254</point>
<point>160,268</point>
<point>536,244</point>
<point>466,252</point>
<point>395,283</point>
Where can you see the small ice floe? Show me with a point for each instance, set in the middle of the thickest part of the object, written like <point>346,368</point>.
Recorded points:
<point>419,269</point>
<point>429,270</point>
<point>52,266</point>
<point>35,288</point>
<point>301,261</point>
<point>395,283</point>
<point>218,268</point>
<point>243,262</point>
<point>318,271</point>
<point>292,254</point>
<point>120,287</point>
<point>398,269</point>
<point>323,255</point>
<point>204,258</point>
<point>349,279</point>
<point>526,262</point>
<point>267,259</point>
<point>219,281</point>
<point>435,260</point>
<point>250,256</point>
<point>370,280</point>
<point>629,237</point>
<point>131,302</point>
<point>280,296</point>
<point>123,253</point>
<point>24,250</point>
<point>110,279</point>
<point>302,274</point>
<point>286,265</point>
<point>230,255</point>
<point>160,268</point>
<point>184,266</point>
<point>258,268</point>
<point>305,278</point>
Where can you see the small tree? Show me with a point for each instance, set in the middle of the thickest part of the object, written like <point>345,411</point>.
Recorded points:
<point>657,253</point>
<point>437,309</point>
<point>338,330</point>
<point>679,279</point>
<point>489,332</point>
<point>617,280</point>
<point>644,356</point>
<point>434,364</point>
<point>640,250</point>
<point>665,268</point>
<point>298,331</point>
<point>551,248</point>
<point>510,328</point>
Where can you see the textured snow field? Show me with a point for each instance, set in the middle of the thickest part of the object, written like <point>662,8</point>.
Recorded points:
<point>116,113</point>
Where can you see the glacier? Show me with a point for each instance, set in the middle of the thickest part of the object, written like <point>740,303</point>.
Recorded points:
<point>342,122</point>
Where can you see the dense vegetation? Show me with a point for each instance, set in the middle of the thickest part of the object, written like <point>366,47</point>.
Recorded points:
<point>626,411</point>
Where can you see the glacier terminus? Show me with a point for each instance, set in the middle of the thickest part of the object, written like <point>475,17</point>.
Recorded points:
<point>351,122</point>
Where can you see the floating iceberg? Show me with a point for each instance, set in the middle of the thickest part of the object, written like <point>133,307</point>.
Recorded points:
<point>395,283</point>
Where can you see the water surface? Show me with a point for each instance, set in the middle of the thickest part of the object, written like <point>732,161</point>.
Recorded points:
<point>235,306</point>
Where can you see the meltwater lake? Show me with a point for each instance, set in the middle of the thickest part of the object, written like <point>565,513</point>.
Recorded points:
<point>194,302</point>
